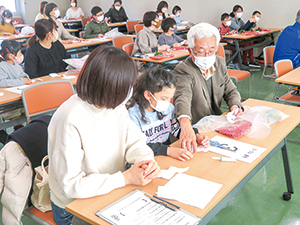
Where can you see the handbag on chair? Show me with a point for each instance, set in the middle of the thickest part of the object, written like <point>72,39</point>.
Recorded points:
<point>40,197</point>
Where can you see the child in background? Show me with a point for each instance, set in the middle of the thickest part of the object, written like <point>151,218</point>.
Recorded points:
<point>224,30</point>
<point>97,27</point>
<point>176,12</point>
<point>7,27</point>
<point>251,23</point>
<point>169,37</point>
<point>11,73</point>
<point>151,110</point>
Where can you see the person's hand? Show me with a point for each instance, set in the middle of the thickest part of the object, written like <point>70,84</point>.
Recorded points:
<point>67,42</point>
<point>106,19</point>
<point>100,35</point>
<point>187,139</point>
<point>231,32</point>
<point>27,80</point>
<point>80,39</point>
<point>164,48</point>
<point>240,112</point>
<point>17,32</point>
<point>7,34</point>
<point>202,140</point>
<point>252,20</point>
<point>179,153</point>
<point>185,42</point>
<point>151,168</point>
<point>177,45</point>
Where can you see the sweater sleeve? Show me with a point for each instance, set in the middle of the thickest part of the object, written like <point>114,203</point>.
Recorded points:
<point>158,148</point>
<point>88,32</point>
<point>143,43</point>
<point>65,35</point>
<point>68,14</point>
<point>234,25</point>
<point>31,62</point>
<point>179,39</point>
<point>247,26</point>
<point>5,81</point>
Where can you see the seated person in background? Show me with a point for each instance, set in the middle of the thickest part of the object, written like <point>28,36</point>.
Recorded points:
<point>202,82</point>
<point>116,13</point>
<point>162,13</point>
<point>52,12</point>
<point>41,14</point>
<point>97,27</point>
<point>168,26</point>
<point>288,43</point>
<point>146,41</point>
<point>11,73</point>
<point>7,27</point>
<point>176,12</point>
<point>151,110</point>
<point>81,167</point>
<point>2,9</point>
<point>74,12</point>
<point>45,55</point>
<point>236,24</point>
<point>224,30</point>
<point>251,23</point>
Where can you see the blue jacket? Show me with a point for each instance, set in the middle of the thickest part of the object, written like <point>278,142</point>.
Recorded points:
<point>288,45</point>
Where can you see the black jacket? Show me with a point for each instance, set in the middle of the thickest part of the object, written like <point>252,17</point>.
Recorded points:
<point>115,15</point>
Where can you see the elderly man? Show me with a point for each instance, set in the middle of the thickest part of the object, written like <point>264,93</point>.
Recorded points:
<point>288,44</point>
<point>202,82</point>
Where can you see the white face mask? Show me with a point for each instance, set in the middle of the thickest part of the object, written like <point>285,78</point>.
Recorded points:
<point>19,59</point>
<point>55,33</point>
<point>100,18</point>
<point>160,18</point>
<point>117,8</point>
<point>228,23</point>
<point>163,10</point>
<point>73,4</point>
<point>257,19</point>
<point>204,62</point>
<point>57,13</point>
<point>161,106</point>
<point>178,14</point>
<point>7,20</point>
<point>239,15</point>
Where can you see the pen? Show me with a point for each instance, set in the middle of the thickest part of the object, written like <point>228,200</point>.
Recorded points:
<point>224,159</point>
<point>166,202</point>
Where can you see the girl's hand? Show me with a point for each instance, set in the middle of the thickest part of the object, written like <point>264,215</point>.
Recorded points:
<point>100,35</point>
<point>202,140</point>
<point>27,80</point>
<point>179,153</point>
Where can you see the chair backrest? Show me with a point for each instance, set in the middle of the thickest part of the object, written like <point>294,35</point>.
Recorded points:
<point>138,28</point>
<point>130,26</point>
<point>122,40</point>
<point>128,48</point>
<point>282,67</point>
<point>45,97</point>
<point>17,20</point>
<point>81,34</point>
<point>221,51</point>
<point>268,55</point>
<point>84,21</point>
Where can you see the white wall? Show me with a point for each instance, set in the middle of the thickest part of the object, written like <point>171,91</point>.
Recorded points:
<point>275,13</point>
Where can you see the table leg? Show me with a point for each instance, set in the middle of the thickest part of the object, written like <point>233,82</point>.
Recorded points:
<point>238,51</point>
<point>287,170</point>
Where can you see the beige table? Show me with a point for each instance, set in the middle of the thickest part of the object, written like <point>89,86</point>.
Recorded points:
<point>233,176</point>
<point>178,55</point>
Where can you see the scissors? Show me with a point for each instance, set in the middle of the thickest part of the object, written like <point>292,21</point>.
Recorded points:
<point>222,146</point>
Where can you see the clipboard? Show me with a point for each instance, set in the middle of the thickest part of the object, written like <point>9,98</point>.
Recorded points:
<point>139,207</point>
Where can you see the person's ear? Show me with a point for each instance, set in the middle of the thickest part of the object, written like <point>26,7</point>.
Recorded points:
<point>147,95</point>
<point>190,51</point>
<point>11,56</point>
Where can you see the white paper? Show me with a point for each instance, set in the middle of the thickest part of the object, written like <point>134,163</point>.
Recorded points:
<point>54,75</point>
<point>17,89</point>
<point>246,152</point>
<point>169,173</point>
<point>68,77</point>
<point>1,94</point>
<point>189,190</point>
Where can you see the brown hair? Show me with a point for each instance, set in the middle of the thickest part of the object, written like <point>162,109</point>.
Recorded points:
<point>106,77</point>
<point>42,6</point>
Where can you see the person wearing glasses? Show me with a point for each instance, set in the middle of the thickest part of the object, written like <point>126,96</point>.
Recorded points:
<point>202,82</point>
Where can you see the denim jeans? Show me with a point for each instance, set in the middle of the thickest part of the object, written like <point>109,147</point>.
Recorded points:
<point>61,216</point>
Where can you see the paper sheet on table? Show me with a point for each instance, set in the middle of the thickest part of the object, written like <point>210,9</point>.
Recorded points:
<point>17,89</point>
<point>169,173</point>
<point>68,77</point>
<point>1,94</point>
<point>189,190</point>
<point>245,152</point>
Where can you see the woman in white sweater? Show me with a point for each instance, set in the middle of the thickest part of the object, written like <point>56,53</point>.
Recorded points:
<point>91,135</point>
<point>74,12</point>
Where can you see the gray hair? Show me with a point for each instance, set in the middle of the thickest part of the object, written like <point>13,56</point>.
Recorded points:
<point>298,17</point>
<point>202,30</point>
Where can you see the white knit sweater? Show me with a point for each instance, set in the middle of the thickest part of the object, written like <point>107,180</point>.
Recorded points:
<point>87,149</point>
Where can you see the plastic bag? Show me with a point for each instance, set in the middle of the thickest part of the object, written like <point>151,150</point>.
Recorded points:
<point>27,30</point>
<point>112,34</point>
<point>261,117</point>
<point>76,63</point>
<point>236,129</point>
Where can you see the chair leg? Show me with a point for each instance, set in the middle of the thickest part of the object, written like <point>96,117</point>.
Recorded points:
<point>275,92</point>
<point>249,95</point>
<point>262,76</point>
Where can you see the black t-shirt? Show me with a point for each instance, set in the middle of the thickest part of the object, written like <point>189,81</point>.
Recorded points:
<point>40,61</point>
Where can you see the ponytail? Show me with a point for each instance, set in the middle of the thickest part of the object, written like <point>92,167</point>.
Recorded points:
<point>9,47</point>
<point>235,8</point>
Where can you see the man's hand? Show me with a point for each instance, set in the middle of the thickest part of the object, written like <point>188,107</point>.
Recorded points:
<point>187,139</point>
<point>240,111</point>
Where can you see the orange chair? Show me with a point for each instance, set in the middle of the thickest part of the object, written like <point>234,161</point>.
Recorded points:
<point>38,216</point>
<point>17,20</point>
<point>268,61</point>
<point>130,26</point>
<point>84,21</point>
<point>237,75</point>
<point>81,34</point>
<point>128,48</point>
<point>120,41</point>
<point>45,97</point>
<point>281,68</point>
<point>138,28</point>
